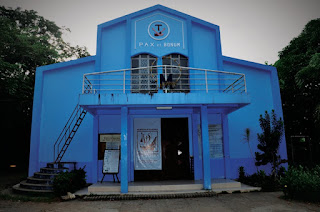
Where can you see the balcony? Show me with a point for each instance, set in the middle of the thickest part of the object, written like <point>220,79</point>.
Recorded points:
<point>164,79</point>
<point>164,85</point>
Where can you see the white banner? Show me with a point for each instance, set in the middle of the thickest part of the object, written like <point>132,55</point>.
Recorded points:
<point>147,144</point>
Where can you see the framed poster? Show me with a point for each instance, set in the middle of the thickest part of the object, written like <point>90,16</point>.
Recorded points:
<point>111,161</point>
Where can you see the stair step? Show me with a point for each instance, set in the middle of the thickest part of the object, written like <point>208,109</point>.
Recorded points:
<point>52,170</point>
<point>33,186</point>
<point>39,181</point>
<point>60,165</point>
<point>18,189</point>
<point>44,175</point>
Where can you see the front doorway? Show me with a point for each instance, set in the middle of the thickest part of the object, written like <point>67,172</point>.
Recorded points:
<point>175,153</point>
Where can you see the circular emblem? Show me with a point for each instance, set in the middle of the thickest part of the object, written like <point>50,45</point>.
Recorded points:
<point>158,30</point>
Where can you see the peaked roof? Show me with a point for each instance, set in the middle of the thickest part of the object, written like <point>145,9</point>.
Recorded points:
<point>157,7</point>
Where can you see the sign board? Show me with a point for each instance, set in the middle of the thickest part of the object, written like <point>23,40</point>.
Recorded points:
<point>113,141</point>
<point>147,144</point>
<point>215,141</point>
<point>111,161</point>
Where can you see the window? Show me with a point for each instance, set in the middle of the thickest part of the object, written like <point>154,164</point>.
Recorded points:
<point>144,80</point>
<point>179,75</point>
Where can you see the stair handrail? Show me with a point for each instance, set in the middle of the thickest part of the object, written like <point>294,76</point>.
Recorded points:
<point>64,130</point>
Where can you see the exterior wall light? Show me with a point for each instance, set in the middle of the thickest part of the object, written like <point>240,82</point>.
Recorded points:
<point>164,108</point>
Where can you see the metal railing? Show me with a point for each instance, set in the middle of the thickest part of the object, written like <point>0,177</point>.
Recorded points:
<point>164,78</point>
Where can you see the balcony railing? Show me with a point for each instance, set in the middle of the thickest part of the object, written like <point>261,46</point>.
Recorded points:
<point>164,79</point>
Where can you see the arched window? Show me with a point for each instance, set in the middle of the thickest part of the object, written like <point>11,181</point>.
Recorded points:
<point>143,78</point>
<point>178,74</point>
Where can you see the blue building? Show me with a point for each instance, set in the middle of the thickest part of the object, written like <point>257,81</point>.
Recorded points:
<point>160,90</point>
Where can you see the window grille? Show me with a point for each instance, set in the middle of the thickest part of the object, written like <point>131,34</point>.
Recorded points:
<point>180,77</point>
<point>144,80</point>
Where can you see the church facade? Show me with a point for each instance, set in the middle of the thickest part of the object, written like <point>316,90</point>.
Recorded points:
<point>160,92</point>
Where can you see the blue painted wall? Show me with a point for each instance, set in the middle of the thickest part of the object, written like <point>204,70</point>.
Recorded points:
<point>54,100</point>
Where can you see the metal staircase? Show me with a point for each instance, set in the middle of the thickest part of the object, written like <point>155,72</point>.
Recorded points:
<point>41,182</point>
<point>68,132</point>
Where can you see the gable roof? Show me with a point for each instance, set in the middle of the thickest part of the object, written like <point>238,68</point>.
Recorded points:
<point>160,8</point>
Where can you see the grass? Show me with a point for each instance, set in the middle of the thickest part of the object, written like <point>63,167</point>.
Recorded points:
<point>28,198</point>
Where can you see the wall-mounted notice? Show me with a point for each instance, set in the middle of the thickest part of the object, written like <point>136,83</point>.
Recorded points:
<point>215,141</point>
<point>113,141</point>
<point>111,161</point>
<point>147,144</point>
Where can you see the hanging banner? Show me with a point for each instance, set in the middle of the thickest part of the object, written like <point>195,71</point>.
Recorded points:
<point>147,144</point>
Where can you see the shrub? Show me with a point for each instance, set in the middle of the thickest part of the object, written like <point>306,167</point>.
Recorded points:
<point>259,179</point>
<point>301,183</point>
<point>69,181</point>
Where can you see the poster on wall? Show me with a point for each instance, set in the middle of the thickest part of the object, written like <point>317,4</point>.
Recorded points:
<point>112,141</point>
<point>215,141</point>
<point>147,144</point>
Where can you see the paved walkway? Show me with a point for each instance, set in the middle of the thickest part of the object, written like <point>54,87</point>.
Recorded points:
<point>255,201</point>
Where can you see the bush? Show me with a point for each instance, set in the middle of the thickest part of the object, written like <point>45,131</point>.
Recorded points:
<point>302,183</point>
<point>69,181</point>
<point>259,179</point>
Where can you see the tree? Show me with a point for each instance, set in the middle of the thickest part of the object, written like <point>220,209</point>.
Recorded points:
<point>299,75</point>
<point>269,141</point>
<point>27,41</point>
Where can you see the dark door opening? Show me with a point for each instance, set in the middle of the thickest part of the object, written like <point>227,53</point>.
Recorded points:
<point>175,153</point>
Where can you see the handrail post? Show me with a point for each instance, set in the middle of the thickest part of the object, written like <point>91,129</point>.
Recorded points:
<point>166,78</point>
<point>124,81</point>
<point>245,83</point>
<point>83,84</point>
<point>206,78</point>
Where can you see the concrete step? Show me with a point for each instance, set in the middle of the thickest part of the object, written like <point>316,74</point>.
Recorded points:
<point>44,175</point>
<point>39,181</point>
<point>53,170</point>
<point>165,186</point>
<point>33,186</point>
<point>242,189</point>
<point>18,189</point>
<point>60,165</point>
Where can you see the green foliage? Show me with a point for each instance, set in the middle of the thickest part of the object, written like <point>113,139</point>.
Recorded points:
<point>69,181</point>
<point>259,179</point>
<point>299,75</point>
<point>301,183</point>
<point>27,41</point>
<point>241,173</point>
<point>269,141</point>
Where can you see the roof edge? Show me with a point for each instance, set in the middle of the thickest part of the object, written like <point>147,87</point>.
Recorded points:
<point>67,63</point>
<point>153,8</point>
<point>248,63</point>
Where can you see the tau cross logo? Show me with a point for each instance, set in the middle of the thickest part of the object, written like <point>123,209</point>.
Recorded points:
<point>158,30</point>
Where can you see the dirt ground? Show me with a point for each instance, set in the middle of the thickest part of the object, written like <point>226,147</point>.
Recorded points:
<point>255,201</point>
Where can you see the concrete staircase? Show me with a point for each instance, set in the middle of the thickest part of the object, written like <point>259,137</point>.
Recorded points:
<point>41,182</point>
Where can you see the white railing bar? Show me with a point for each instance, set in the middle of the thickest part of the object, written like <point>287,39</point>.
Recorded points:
<point>165,66</point>
<point>124,82</point>
<point>206,81</point>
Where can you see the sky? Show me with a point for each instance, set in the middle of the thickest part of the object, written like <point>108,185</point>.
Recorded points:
<point>254,30</point>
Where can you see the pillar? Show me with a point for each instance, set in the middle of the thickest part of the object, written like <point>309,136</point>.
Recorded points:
<point>205,148</point>
<point>124,150</point>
